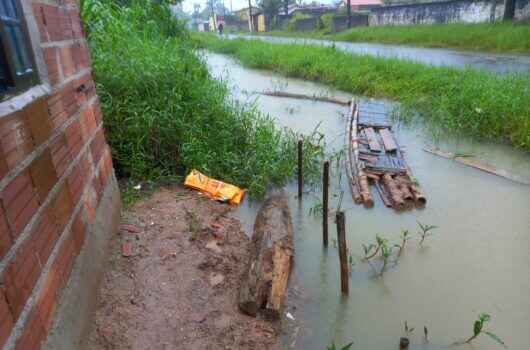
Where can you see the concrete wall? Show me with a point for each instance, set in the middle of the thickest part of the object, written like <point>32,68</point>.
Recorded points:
<point>56,174</point>
<point>305,24</point>
<point>467,11</point>
<point>340,23</point>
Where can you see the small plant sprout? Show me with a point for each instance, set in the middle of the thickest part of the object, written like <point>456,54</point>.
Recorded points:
<point>478,329</point>
<point>351,262</point>
<point>345,347</point>
<point>386,254</point>
<point>425,231</point>
<point>368,254</point>
<point>404,341</point>
<point>405,236</point>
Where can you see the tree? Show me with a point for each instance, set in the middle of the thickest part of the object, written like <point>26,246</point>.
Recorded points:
<point>509,10</point>
<point>270,8</point>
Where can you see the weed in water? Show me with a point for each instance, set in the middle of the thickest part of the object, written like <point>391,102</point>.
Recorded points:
<point>386,254</point>
<point>478,329</point>
<point>425,231</point>
<point>405,236</point>
<point>345,347</point>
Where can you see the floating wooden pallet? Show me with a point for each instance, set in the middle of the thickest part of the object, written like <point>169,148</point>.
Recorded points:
<point>375,158</point>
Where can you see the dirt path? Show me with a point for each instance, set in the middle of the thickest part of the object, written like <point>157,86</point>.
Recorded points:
<point>178,288</point>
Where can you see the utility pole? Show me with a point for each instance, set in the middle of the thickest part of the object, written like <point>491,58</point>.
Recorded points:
<point>349,13</point>
<point>251,27</point>
<point>213,16</point>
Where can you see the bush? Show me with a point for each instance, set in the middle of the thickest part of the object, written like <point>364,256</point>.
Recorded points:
<point>163,112</point>
<point>291,24</point>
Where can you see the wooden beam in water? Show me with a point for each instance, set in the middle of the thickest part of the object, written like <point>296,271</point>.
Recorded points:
<point>373,142</point>
<point>388,140</point>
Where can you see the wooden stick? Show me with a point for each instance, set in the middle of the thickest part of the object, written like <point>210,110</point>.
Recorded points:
<point>300,168</point>
<point>325,208</point>
<point>341,238</point>
<point>306,97</point>
<point>477,164</point>
<point>351,138</point>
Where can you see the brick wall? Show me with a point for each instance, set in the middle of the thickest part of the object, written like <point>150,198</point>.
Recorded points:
<point>54,165</point>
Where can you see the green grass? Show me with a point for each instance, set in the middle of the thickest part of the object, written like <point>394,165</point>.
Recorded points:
<point>493,37</point>
<point>163,112</point>
<point>468,102</point>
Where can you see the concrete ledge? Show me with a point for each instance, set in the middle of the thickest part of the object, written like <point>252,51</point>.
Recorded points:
<point>73,317</point>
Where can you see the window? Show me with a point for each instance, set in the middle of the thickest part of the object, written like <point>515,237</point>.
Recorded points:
<point>17,69</point>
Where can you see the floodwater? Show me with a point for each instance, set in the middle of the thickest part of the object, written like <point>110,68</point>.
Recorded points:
<point>477,261</point>
<point>498,63</point>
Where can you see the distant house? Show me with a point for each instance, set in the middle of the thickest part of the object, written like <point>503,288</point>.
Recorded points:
<point>362,5</point>
<point>313,9</point>
<point>256,13</point>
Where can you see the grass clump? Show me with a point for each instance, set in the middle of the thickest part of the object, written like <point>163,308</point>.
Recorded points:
<point>468,102</point>
<point>163,112</point>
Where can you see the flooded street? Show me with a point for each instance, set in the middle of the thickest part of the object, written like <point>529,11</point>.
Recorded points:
<point>492,62</point>
<point>477,261</point>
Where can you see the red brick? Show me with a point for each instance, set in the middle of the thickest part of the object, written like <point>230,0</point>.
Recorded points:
<point>51,59</point>
<point>88,122</point>
<point>74,137</point>
<point>38,120</point>
<point>79,232</point>
<point>67,61</point>
<point>5,234</point>
<point>15,139</point>
<point>20,201</point>
<point>62,207</point>
<point>6,319</point>
<point>97,146</point>
<point>24,269</point>
<point>97,113</point>
<point>60,155</point>
<point>58,113</point>
<point>90,206</point>
<point>43,174</point>
<point>3,165</point>
<point>76,184</point>
<point>33,333</point>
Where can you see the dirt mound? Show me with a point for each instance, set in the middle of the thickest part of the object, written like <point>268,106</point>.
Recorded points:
<point>173,278</point>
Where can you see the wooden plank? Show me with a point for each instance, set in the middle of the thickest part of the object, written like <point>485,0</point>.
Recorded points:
<point>373,142</point>
<point>388,140</point>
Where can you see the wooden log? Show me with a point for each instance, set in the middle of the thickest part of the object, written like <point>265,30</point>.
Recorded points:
<point>373,142</point>
<point>341,239</point>
<point>366,195</point>
<point>388,140</point>
<point>419,197</point>
<point>383,194</point>
<point>394,192</point>
<point>300,168</point>
<point>404,187</point>
<point>352,151</point>
<point>264,285</point>
<point>325,201</point>
<point>306,97</point>
<point>477,164</point>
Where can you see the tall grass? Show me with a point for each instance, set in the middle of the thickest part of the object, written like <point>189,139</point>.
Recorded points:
<point>163,112</point>
<point>493,37</point>
<point>469,102</point>
<point>498,37</point>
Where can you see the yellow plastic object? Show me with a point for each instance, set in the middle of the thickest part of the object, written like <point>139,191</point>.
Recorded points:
<point>214,188</point>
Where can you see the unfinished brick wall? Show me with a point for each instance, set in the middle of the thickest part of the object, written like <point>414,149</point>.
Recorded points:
<point>54,165</point>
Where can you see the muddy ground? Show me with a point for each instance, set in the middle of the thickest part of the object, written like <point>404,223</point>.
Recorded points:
<point>173,277</point>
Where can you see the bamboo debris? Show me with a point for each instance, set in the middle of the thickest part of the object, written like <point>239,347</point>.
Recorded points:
<point>375,158</point>
<point>306,97</point>
<point>477,164</point>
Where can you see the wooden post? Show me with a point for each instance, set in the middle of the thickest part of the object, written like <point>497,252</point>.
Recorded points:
<point>341,238</point>
<point>349,13</point>
<point>300,168</point>
<point>325,205</point>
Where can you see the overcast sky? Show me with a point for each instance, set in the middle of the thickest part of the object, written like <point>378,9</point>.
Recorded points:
<point>236,4</point>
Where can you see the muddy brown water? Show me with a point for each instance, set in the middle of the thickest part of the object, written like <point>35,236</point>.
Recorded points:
<point>477,261</point>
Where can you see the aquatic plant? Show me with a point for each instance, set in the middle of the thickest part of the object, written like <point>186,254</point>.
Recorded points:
<point>478,329</point>
<point>371,250</point>
<point>345,347</point>
<point>386,254</point>
<point>425,231</point>
<point>405,237</point>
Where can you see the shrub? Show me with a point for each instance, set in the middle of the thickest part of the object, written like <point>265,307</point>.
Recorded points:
<point>163,112</point>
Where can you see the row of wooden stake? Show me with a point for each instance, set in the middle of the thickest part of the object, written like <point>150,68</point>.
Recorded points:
<point>339,218</point>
